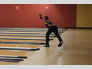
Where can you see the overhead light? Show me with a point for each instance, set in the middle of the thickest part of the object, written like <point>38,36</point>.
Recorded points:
<point>17,7</point>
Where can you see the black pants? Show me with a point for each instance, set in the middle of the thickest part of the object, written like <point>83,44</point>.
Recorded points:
<point>53,29</point>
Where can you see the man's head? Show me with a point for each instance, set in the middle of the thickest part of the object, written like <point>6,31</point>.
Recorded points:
<point>46,17</point>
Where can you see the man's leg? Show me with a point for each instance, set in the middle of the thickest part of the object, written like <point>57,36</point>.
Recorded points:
<point>47,37</point>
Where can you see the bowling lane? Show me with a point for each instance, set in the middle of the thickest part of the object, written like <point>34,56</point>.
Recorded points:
<point>26,34</point>
<point>23,37</point>
<point>23,41</point>
<point>23,34</point>
<point>4,32</point>
<point>7,63</point>
<point>12,53</point>
<point>19,32</point>
<point>15,52</point>
<point>19,45</point>
<point>37,34</point>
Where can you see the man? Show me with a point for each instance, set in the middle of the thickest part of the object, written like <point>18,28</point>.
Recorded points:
<point>51,28</point>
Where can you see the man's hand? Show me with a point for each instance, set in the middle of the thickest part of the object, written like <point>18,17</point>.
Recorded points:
<point>40,16</point>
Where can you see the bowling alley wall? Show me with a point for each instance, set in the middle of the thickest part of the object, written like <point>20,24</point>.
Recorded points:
<point>84,15</point>
<point>62,15</point>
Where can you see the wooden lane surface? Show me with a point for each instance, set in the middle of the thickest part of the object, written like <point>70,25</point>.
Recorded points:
<point>24,34</point>
<point>14,53</point>
<point>21,32</point>
<point>23,37</point>
<point>38,41</point>
<point>36,34</point>
<point>28,30</point>
<point>7,63</point>
<point>18,37</point>
<point>19,45</point>
<point>27,34</point>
